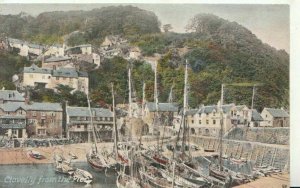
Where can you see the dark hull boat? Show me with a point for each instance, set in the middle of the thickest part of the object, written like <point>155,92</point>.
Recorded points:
<point>95,162</point>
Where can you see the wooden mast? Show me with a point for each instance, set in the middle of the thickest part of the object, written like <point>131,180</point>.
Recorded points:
<point>92,125</point>
<point>185,104</point>
<point>114,122</point>
<point>129,97</point>
<point>221,130</point>
<point>143,102</point>
<point>156,106</point>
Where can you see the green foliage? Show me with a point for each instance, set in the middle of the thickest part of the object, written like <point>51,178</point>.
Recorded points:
<point>115,71</point>
<point>63,93</point>
<point>10,64</point>
<point>51,27</point>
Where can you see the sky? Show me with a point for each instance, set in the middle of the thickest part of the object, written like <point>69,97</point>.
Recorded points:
<point>270,23</point>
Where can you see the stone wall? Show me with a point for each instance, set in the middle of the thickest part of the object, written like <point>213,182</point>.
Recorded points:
<point>261,134</point>
<point>259,153</point>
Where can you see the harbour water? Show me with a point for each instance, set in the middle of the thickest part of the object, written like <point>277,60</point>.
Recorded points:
<point>43,175</point>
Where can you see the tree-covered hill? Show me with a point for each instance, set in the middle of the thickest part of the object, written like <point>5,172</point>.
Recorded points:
<point>94,25</point>
<point>218,51</point>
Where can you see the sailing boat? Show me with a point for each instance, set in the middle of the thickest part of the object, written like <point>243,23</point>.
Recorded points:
<point>94,158</point>
<point>128,181</point>
<point>217,171</point>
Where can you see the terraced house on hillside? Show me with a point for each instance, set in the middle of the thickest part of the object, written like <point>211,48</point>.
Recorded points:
<point>34,76</point>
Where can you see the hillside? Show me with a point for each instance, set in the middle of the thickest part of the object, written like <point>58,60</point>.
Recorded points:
<point>93,26</point>
<point>217,50</point>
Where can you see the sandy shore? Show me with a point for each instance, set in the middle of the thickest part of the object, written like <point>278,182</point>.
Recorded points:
<point>274,181</point>
<point>20,155</point>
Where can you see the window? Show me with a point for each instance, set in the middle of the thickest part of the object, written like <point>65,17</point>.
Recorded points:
<point>33,114</point>
<point>53,114</point>
<point>193,121</point>
<point>266,115</point>
<point>49,77</point>
<point>78,126</point>
<point>14,131</point>
<point>214,113</point>
<point>43,114</point>
<point>214,121</point>
<point>57,78</point>
<point>111,119</point>
<point>199,121</point>
<point>41,131</point>
<point>207,121</point>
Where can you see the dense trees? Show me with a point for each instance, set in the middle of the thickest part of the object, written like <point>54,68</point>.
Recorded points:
<point>94,25</point>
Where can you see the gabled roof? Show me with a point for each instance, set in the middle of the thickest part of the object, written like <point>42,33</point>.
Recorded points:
<point>84,112</point>
<point>12,106</point>
<point>162,107</point>
<point>65,72</point>
<point>191,112</point>
<point>37,106</point>
<point>35,69</point>
<point>256,116</point>
<point>275,112</point>
<point>59,58</point>
<point>11,95</point>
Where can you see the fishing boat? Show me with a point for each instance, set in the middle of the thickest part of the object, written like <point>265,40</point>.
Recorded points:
<point>126,181</point>
<point>64,168</point>
<point>36,155</point>
<point>82,176</point>
<point>95,158</point>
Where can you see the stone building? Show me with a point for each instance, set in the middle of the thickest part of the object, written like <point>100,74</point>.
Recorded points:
<point>56,62</point>
<point>13,120</point>
<point>48,78</point>
<point>206,120</point>
<point>44,119</point>
<point>274,117</point>
<point>79,123</point>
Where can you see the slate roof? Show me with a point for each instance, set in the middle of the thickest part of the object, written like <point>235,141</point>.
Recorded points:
<point>37,106</point>
<point>277,112</point>
<point>12,106</point>
<point>209,109</point>
<point>256,116</point>
<point>191,112</point>
<point>59,58</point>
<point>35,69</point>
<point>84,112</point>
<point>69,73</point>
<point>11,95</point>
<point>162,107</point>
